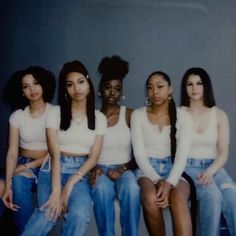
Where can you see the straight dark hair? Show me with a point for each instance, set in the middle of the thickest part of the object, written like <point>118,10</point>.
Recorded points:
<point>208,95</point>
<point>64,99</point>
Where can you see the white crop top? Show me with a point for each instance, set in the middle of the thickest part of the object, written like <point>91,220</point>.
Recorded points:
<point>204,145</point>
<point>32,134</point>
<point>78,138</point>
<point>148,141</point>
<point>117,142</point>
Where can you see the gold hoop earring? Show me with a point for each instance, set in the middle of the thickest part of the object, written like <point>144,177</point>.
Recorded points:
<point>147,101</point>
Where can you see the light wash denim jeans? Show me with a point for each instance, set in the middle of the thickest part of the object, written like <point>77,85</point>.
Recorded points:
<point>162,167</point>
<point>127,191</point>
<point>217,197</point>
<point>23,195</point>
<point>76,220</point>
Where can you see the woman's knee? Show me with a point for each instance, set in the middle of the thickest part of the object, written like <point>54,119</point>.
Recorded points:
<point>178,197</point>
<point>102,187</point>
<point>148,200</point>
<point>210,198</point>
<point>79,216</point>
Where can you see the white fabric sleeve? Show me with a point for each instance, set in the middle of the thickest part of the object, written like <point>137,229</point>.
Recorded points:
<point>53,118</point>
<point>184,137</point>
<point>16,118</point>
<point>139,148</point>
<point>101,123</point>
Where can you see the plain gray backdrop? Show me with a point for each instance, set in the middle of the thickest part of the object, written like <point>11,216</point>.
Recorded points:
<point>168,35</point>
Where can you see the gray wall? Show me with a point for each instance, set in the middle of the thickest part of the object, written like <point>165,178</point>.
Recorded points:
<point>168,35</point>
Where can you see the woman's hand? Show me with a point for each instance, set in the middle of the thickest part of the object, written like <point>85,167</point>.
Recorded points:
<point>205,177</point>
<point>163,191</point>
<point>20,168</point>
<point>66,192</point>
<point>95,173</point>
<point>115,173</point>
<point>7,199</point>
<point>52,207</point>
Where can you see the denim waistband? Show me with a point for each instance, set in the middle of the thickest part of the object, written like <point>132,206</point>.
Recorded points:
<point>107,168</point>
<point>166,160</point>
<point>69,164</point>
<point>199,163</point>
<point>23,160</point>
<point>34,171</point>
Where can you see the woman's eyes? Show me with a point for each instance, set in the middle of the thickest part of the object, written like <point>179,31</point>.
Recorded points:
<point>81,81</point>
<point>191,84</point>
<point>68,85</point>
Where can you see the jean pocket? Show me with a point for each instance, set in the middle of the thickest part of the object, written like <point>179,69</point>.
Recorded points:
<point>46,166</point>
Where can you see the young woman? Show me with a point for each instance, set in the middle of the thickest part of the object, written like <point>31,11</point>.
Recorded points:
<point>161,136</point>
<point>75,135</point>
<point>29,91</point>
<point>113,177</point>
<point>216,191</point>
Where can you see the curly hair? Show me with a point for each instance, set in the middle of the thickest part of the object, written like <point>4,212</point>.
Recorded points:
<point>12,92</point>
<point>112,68</point>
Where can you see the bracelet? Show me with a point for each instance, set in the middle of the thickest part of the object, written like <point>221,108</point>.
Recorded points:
<point>27,165</point>
<point>124,168</point>
<point>79,174</point>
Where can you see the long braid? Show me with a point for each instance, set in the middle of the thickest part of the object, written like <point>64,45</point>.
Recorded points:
<point>173,118</point>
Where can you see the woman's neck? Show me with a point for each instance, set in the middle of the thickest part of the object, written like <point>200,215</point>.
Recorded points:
<point>197,107</point>
<point>160,109</point>
<point>37,108</point>
<point>109,110</point>
<point>78,107</point>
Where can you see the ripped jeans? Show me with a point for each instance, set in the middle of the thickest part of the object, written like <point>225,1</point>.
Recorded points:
<point>76,219</point>
<point>23,188</point>
<point>212,199</point>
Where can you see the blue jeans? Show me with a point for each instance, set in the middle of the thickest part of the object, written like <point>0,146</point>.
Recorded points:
<point>162,167</point>
<point>127,191</point>
<point>23,195</point>
<point>76,220</point>
<point>217,197</point>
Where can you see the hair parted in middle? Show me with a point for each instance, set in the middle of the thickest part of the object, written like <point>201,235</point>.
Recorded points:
<point>112,68</point>
<point>208,95</point>
<point>64,99</point>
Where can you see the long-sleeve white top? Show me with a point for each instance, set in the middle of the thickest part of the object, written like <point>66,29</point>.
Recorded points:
<point>149,141</point>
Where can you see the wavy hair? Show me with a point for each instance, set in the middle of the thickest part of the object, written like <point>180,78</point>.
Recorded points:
<point>13,94</point>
